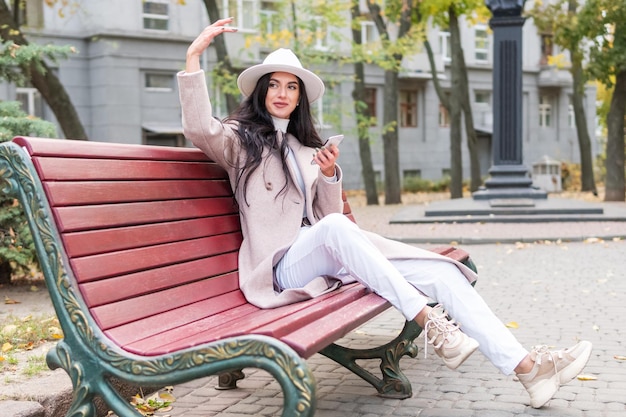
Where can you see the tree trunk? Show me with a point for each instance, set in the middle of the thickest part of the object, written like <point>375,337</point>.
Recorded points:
<point>584,141</point>
<point>466,106</point>
<point>224,65</point>
<point>615,181</point>
<point>48,84</point>
<point>391,149</point>
<point>362,116</point>
<point>393,187</point>
<point>456,159</point>
<point>51,89</point>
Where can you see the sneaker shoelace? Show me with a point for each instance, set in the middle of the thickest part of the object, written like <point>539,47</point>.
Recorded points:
<point>542,350</point>
<point>437,320</point>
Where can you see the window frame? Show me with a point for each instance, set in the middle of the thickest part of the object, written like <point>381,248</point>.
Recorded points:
<point>246,21</point>
<point>322,34</point>
<point>407,102</point>
<point>369,27</point>
<point>571,115</point>
<point>444,46</point>
<point>149,74</point>
<point>481,54</point>
<point>545,110</point>
<point>371,101</point>
<point>443,116</point>
<point>34,103</point>
<point>156,17</point>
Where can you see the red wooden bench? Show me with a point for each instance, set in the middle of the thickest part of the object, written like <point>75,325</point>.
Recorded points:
<point>139,246</point>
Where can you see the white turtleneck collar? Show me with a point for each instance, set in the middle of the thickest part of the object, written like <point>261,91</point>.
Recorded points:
<point>280,124</point>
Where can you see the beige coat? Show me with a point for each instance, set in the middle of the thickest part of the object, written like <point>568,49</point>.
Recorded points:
<point>270,222</point>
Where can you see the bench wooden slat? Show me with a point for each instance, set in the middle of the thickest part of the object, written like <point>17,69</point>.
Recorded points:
<point>452,252</point>
<point>121,238</point>
<point>107,150</point>
<point>227,324</point>
<point>154,329</point>
<point>186,335</point>
<point>104,265</point>
<point>103,192</point>
<point>70,219</point>
<point>314,336</point>
<point>286,320</point>
<point>133,310</point>
<point>74,169</point>
<point>111,290</point>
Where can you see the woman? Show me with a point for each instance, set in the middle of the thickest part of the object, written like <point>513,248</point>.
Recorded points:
<point>297,244</point>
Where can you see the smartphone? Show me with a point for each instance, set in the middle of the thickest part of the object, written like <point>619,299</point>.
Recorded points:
<point>334,140</point>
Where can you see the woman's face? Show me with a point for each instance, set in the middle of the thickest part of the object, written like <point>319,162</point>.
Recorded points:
<point>283,94</point>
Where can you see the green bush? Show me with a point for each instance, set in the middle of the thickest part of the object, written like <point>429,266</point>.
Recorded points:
<point>17,250</point>
<point>417,184</point>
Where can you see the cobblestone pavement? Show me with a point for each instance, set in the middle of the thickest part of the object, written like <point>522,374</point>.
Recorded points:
<point>554,294</point>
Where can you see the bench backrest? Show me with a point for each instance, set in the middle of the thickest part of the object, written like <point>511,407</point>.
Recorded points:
<point>146,229</point>
<point>139,223</point>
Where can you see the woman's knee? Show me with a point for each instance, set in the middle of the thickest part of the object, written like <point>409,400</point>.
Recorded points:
<point>337,222</point>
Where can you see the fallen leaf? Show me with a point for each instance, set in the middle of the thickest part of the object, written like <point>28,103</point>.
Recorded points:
<point>584,377</point>
<point>34,288</point>
<point>593,240</point>
<point>8,300</point>
<point>166,396</point>
<point>512,325</point>
<point>7,347</point>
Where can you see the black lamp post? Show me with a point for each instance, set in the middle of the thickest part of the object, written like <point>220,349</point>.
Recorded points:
<point>509,178</point>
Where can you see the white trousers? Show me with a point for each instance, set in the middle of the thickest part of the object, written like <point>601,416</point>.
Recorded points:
<point>335,246</point>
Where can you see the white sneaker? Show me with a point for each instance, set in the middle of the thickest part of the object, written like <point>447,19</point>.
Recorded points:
<point>553,369</point>
<point>450,343</point>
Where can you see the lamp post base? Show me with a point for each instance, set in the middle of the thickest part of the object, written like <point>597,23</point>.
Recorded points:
<point>509,182</point>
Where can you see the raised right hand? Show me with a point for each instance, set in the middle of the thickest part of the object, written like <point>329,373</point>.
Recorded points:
<point>199,45</point>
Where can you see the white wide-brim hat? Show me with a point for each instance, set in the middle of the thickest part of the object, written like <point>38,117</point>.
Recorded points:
<point>281,60</point>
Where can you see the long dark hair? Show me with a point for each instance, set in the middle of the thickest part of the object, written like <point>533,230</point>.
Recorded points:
<point>256,131</point>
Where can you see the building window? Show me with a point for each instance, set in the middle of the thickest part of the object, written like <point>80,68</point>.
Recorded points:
<point>545,111</point>
<point>481,43</point>
<point>482,97</point>
<point>571,116</point>
<point>159,82</point>
<point>32,13</point>
<point>320,108</point>
<point>31,100</point>
<point>408,108</point>
<point>245,12</point>
<point>321,33</point>
<point>271,21</point>
<point>444,116</point>
<point>547,48</point>
<point>444,46</point>
<point>156,14</point>
<point>369,33</point>
<point>370,101</point>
